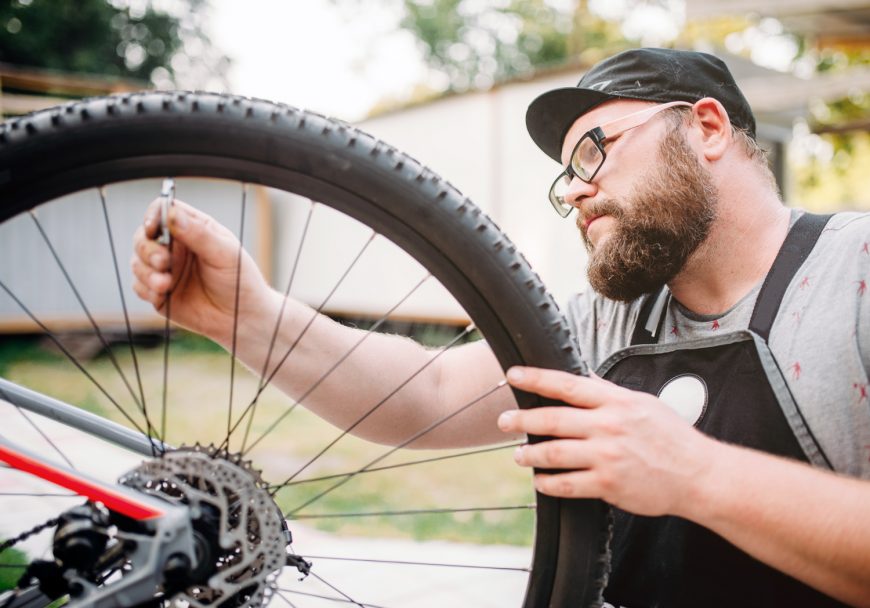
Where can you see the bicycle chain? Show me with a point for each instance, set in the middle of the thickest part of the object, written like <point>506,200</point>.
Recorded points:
<point>9,543</point>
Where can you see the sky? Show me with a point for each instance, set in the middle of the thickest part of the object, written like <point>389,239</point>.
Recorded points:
<point>313,55</point>
<point>340,57</point>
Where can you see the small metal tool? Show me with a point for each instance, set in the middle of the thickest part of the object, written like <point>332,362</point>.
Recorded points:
<point>167,197</point>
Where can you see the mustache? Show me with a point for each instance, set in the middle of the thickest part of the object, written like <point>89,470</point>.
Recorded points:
<point>607,206</point>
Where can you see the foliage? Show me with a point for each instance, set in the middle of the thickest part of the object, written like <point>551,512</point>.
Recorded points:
<point>116,38</point>
<point>477,44</point>
<point>9,576</point>
<point>839,180</point>
<point>24,348</point>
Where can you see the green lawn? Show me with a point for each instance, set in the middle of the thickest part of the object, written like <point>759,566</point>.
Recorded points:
<point>197,412</point>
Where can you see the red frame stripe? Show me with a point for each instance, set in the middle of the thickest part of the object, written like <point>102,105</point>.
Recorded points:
<point>113,499</point>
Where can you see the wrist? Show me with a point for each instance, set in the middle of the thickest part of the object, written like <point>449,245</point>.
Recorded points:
<point>712,482</point>
<point>257,316</point>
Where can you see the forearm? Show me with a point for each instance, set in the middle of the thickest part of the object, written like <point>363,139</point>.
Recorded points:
<point>387,387</point>
<point>810,524</point>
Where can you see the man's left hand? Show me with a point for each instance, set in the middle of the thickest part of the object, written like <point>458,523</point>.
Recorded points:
<point>626,447</point>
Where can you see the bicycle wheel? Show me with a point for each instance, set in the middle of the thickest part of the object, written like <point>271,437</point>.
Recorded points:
<point>84,146</point>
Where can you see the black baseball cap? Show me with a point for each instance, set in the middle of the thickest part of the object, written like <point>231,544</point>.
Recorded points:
<point>648,74</point>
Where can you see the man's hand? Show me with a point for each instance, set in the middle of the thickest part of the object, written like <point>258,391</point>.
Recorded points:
<point>623,446</point>
<point>202,274</point>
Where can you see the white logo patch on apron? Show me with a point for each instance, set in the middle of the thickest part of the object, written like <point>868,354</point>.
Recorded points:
<point>686,395</point>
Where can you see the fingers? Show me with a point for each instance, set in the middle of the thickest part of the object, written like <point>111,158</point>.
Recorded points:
<point>151,279</point>
<point>557,454</point>
<point>142,289</point>
<point>574,484</point>
<point>150,252</point>
<point>556,421</point>
<point>152,219</point>
<point>581,391</point>
<point>210,241</point>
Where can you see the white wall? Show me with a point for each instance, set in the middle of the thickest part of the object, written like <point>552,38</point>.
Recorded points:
<point>479,143</point>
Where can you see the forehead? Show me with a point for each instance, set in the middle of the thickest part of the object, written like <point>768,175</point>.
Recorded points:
<point>597,116</point>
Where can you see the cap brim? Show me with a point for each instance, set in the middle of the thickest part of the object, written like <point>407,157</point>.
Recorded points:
<point>551,114</point>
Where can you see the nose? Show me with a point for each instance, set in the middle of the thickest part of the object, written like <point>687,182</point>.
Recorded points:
<point>578,191</point>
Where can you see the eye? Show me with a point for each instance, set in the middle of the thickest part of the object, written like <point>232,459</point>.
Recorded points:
<point>607,141</point>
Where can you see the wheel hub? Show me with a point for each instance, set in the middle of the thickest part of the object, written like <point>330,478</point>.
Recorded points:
<point>238,528</point>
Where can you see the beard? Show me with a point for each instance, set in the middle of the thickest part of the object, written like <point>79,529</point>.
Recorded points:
<point>667,217</point>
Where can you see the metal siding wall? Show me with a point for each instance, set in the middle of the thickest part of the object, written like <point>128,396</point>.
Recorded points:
<point>76,228</point>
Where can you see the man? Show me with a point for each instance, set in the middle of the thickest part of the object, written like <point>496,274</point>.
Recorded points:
<point>685,227</point>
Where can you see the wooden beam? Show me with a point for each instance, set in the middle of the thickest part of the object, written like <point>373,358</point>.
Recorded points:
<point>15,105</point>
<point>848,127</point>
<point>50,81</point>
<point>703,9</point>
<point>785,92</point>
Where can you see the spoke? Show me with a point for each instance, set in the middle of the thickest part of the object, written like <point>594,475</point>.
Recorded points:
<point>337,590</point>
<point>410,512</point>
<point>275,488</point>
<point>393,450</point>
<point>51,336</point>
<point>326,597</point>
<point>335,366</point>
<point>236,312</point>
<point>148,424</point>
<point>290,350</point>
<point>408,563</point>
<point>278,324</point>
<point>371,411</point>
<point>166,328</point>
<point>44,436</point>
<point>85,309</point>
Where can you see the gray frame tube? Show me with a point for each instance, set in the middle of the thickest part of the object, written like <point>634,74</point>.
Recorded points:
<point>78,418</point>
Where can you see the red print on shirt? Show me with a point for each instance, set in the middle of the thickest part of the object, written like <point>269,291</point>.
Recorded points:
<point>861,387</point>
<point>804,283</point>
<point>796,317</point>
<point>675,331</point>
<point>862,287</point>
<point>796,370</point>
<point>866,248</point>
<point>715,324</point>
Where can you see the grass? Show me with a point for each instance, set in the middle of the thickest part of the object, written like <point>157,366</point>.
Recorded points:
<point>9,576</point>
<point>198,406</point>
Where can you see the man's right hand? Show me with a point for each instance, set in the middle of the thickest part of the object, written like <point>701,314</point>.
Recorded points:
<point>202,272</point>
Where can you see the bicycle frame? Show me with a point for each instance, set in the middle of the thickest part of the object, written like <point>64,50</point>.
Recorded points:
<point>168,527</point>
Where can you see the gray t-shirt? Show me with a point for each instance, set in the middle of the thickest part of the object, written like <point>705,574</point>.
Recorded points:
<point>820,338</point>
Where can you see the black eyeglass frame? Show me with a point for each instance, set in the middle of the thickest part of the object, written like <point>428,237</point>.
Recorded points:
<point>599,137</point>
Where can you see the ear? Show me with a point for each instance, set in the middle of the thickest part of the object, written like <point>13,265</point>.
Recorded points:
<point>713,128</point>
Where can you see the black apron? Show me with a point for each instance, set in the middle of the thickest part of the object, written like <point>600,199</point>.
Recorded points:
<point>744,400</point>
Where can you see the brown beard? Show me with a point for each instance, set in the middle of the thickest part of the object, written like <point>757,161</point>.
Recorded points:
<point>667,216</point>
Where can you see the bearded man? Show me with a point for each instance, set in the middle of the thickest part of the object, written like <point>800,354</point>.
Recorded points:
<point>724,422</point>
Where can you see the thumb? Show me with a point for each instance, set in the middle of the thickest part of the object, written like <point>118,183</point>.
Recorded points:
<point>210,241</point>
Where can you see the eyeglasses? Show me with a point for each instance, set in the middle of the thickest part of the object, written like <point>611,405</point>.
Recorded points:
<point>588,155</point>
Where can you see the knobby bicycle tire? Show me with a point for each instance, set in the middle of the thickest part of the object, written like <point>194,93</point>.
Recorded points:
<point>90,143</point>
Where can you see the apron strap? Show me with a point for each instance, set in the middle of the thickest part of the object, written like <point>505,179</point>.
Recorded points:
<point>794,251</point>
<point>651,317</point>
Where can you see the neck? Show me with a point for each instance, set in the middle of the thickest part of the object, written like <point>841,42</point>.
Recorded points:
<point>739,251</point>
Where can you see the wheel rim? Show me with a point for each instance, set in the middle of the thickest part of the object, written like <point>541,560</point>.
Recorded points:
<point>423,246</point>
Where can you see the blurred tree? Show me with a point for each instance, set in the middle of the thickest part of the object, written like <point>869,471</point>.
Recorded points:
<point>478,43</point>
<point>123,38</point>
